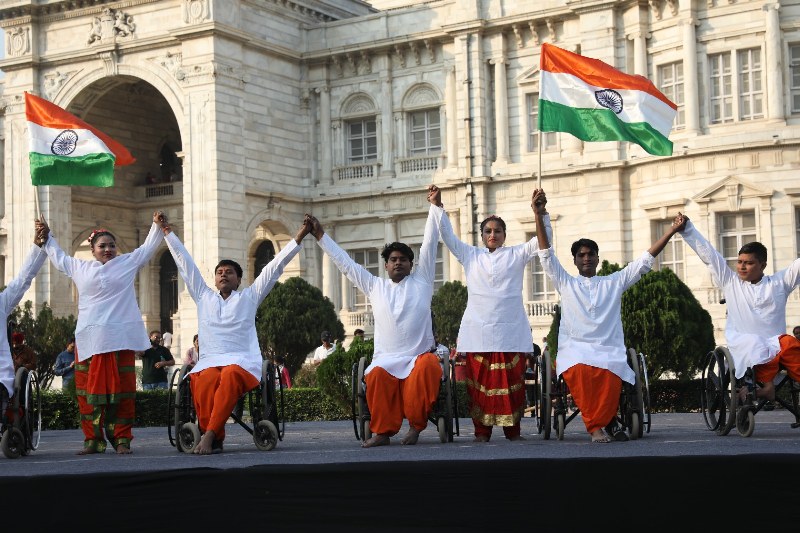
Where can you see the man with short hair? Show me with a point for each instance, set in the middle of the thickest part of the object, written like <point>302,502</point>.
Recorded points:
<point>755,328</point>
<point>155,361</point>
<point>22,354</point>
<point>404,377</point>
<point>324,350</point>
<point>796,332</point>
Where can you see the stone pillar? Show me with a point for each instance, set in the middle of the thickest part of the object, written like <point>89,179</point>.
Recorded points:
<point>500,109</point>
<point>330,274</point>
<point>691,99</point>
<point>325,133</point>
<point>639,52</point>
<point>450,98</point>
<point>386,123</point>
<point>773,63</point>
<point>390,229</point>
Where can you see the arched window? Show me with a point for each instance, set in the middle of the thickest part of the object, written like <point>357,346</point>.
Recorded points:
<point>264,254</point>
<point>168,289</point>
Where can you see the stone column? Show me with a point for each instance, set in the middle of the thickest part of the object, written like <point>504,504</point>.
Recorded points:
<point>390,229</point>
<point>639,52</point>
<point>773,63</point>
<point>500,109</point>
<point>325,132</point>
<point>691,99</point>
<point>386,122</point>
<point>330,274</point>
<point>450,110</point>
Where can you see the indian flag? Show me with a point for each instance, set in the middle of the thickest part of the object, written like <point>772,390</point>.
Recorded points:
<point>595,102</point>
<point>64,150</point>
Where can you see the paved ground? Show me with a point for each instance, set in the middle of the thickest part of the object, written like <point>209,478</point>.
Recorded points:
<point>309,443</point>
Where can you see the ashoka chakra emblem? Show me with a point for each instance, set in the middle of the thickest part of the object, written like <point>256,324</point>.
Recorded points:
<point>609,99</point>
<point>65,143</point>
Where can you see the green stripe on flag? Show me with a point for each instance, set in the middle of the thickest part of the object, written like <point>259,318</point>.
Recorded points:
<point>93,170</point>
<point>600,125</point>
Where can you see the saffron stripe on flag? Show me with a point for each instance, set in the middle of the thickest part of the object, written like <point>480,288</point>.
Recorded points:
<point>601,125</point>
<point>637,106</point>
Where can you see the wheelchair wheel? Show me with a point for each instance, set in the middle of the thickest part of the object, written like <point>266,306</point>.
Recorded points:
<point>646,418</point>
<point>447,399</point>
<point>634,403</point>
<point>444,434</point>
<point>188,437</point>
<point>13,443</point>
<point>27,383</point>
<point>729,397</point>
<point>718,380</point>
<point>180,407</point>
<point>545,401</point>
<point>354,398</point>
<point>362,411</point>
<point>560,425</point>
<point>745,421</point>
<point>265,435</point>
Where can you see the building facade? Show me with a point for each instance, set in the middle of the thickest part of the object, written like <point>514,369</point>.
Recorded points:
<point>244,115</point>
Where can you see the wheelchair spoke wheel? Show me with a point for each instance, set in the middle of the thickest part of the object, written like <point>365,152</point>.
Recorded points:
<point>645,394</point>
<point>188,437</point>
<point>354,398</point>
<point>362,409</point>
<point>635,403</point>
<point>33,413</point>
<point>13,443</point>
<point>712,401</point>
<point>545,409</point>
<point>265,435</point>
<point>729,399</point>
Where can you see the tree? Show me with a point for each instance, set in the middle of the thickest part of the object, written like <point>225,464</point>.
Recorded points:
<point>46,334</point>
<point>334,374</point>
<point>290,319</point>
<point>448,307</point>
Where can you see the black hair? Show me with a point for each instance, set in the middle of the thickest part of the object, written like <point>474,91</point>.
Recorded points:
<point>326,336</point>
<point>280,359</point>
<point>230,262</point>
<point>755,248</point>
<point>96,235</point>
<point>194,338</point>
<point>493,217</point>
<point>589,243</point>
<point>397,247</point>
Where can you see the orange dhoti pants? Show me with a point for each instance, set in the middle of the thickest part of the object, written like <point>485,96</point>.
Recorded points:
<point>390,399</point>
<point>596,393</point>
<point>105,385</point>
<point>496,390</point>
<point>215,391</point>
<point>788,358</point>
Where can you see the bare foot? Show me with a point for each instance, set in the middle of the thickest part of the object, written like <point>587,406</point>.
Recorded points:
<point>411,437</point>
<point>379,439</point>
<point>599,436</point>
<point>88,451</point>
<point>767,391</point>
<point>204,447</point>
<point>480,438</point>
<point>123,450</point>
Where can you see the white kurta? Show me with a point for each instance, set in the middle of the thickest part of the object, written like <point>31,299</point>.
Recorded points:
<point>495,318</point>
<point>756,311</point>
<point>402,311</point>
<point>109,318</point>
<point>591,315</point>
<point>9,299</point>
<point>227,327</point>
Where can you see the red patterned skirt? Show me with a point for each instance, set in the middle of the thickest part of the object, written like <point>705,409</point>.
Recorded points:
<point>496,387</point>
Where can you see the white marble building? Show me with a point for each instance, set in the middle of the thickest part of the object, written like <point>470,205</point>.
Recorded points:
<point>245,114</point>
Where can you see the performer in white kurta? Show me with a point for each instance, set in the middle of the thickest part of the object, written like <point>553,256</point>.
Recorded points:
<point>9,299</point>
<point>591,345</point>
<point>404,377</point>
<point>231,362</point>
<point>109,330</point>
<point>755,329</point>
<point>494,333</point>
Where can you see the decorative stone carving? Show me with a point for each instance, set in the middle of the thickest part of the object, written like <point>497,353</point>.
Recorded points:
<point>110,62</point>
<point>415,50</point>
<point>429,44</point>
<point>673,7</point>
<point>18,41</point>
<point>109,25</point>
<point>551,27</point>
<point>195,11</point>
<point>337,61</point>
<point>655,8</point>
<point>359,104</point>
<point>420,96</point>
<point>53,82</point>
<point>173,63</point>
<point>401,56</point>
<point>366,61</point>
<point>517,34</point>
<point>534,33</point>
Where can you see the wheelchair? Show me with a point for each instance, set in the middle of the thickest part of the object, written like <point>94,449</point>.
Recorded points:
<point>183,428</point>
<point>720,402</point>
<point>21,415</point>
<point>554,409</point>
<point>444,414</point>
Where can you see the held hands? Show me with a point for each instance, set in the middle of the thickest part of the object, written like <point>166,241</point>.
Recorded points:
<point>304,230</point>
<point>435,195</point>
<point>42,231</point>
<point>679,222</point>
<point>316,228</point>
<point>160,218</point>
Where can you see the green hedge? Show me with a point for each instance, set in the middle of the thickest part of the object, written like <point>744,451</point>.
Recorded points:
<point>60,409</point>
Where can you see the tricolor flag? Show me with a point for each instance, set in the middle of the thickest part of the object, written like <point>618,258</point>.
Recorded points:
<point>64,150</point>
<point>595,102</point>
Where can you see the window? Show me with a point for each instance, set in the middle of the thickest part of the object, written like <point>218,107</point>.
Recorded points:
<point>721,109</point>
<point>751,91</point>
<point>549,141</point>
<point>735,230</point>
<point>426,138</point>
<point>362,141</point>
<point>264,254</point>
<point>670,79</point>
<point>168,285</point>
<point>369,259</point>
<point>672,255</point>
<point>541,286</point>
<point>794,66</point>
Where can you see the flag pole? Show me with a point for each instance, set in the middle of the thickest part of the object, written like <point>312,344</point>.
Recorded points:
<point>539,170</point>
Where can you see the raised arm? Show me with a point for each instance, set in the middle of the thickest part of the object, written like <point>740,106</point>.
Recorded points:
<point>539,206</point>
<point>678,225</point>
<point>356,273</point>
<point>448,236</point>
<point>144,253</point>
